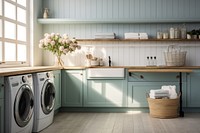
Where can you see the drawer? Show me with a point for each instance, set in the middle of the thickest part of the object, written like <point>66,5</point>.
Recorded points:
<point>144,77</point>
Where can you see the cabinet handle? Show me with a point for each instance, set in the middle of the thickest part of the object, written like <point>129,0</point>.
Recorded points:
<point>177,76</point>
<point>81,74</point>
<point>54,76</point>
<point>2,85</point>
<point>141,76</point>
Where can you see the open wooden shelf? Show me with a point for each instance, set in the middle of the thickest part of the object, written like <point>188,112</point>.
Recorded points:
<point>136,40</point>
<point>112,20</point>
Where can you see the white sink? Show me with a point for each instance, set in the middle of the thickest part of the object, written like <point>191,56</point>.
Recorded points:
<point>105,73</point>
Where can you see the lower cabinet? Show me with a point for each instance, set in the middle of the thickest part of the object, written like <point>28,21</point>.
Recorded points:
<point>193,89</point>
<point>137,92</point>
<point>57,83</point>
<point>105,93</point>
<point>72,88</point>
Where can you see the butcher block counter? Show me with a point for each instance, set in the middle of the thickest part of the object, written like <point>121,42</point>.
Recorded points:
<point>24,70</point>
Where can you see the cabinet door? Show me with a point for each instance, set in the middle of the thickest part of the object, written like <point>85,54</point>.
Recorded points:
<point>72,87</point>
<point>1,116</point>
<point>57,83</point>
<point>193,89</point>
<point>137,92</point>
<point>105,93</point>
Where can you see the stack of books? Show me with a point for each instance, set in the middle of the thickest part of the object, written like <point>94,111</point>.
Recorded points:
<point>105,36</point>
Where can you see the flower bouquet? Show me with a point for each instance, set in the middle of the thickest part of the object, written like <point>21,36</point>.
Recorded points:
<point>58,45</point>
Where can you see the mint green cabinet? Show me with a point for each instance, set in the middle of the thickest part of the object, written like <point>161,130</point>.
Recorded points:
<point>105,93</point>
<point>193,89</point>
<point>72,88</point>
<point>139,84</point>
<point>57,83</point>
<point>1,105</point>
<point>137,92</point>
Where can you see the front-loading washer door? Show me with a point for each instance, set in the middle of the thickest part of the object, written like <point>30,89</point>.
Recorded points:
<point>23,106</point>
<point>47,97</point>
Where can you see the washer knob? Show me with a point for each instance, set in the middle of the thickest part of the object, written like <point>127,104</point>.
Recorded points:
<point>48,75</point>
<point>24,79</point>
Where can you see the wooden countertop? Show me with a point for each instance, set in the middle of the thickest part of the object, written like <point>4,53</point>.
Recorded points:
<point>24,70</point>
<point>160,70</point>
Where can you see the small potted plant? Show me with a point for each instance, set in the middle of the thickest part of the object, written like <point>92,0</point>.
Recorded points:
<point>194,34</point>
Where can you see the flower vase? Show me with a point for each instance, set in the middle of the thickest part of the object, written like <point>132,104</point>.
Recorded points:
<point>59,62</point>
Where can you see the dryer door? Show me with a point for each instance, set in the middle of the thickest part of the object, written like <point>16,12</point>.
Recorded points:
<point>23,106</point>
<point>47,97</point>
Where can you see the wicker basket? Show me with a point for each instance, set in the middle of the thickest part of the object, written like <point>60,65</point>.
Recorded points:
<point>174,56</point>
<point>163,108</point>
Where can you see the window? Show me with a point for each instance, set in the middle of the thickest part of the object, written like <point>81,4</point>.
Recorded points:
<point>14,33</point>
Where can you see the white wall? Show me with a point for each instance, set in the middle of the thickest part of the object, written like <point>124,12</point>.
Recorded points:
<point>122,53</point>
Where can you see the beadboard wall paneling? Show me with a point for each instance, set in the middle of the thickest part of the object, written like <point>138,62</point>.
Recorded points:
<point>122,53</point>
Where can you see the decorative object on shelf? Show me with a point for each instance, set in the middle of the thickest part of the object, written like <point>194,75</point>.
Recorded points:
<point>58,45</point>
<point>46,13</point>
<point>174,56</point>
<point>183,32</point>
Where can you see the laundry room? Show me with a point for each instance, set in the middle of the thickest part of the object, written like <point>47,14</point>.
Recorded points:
<point>99,66</point>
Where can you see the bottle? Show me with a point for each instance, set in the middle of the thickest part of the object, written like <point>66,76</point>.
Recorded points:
<point>176,33</point>
<point>148,61</point>
<point>151,61</point>
<point>46,13</point>
<point>171,33</point>
<point>155,61</point>
<point>183,32</point>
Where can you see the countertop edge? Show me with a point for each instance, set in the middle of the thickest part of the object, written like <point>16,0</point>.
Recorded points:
<point>25,70</point>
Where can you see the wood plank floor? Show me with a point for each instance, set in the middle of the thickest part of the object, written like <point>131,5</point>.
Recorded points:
<point>132,122</point>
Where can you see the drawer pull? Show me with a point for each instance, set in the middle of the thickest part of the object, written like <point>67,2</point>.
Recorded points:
<point>177,76</point>
<point>2,85</point>
<point>141,76</point>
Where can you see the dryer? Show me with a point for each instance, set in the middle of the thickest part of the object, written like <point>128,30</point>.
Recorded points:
<point>19,102</point>
<point>45,99</point>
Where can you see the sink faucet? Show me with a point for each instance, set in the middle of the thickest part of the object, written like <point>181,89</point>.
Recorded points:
<point>109,60</point>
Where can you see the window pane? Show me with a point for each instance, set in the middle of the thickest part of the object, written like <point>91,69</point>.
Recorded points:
<point>21,33</point>
<point>1,51</point>
<point>9,10</point>
<point>22,2</point>
<point>10,51</point>
<point>0,7</point>
<point>21,15</point>
<point>10,30</point>
<point>21,56</point>
<point>0,28</point>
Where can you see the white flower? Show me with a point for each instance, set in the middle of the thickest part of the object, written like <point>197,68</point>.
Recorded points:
<point>68,41</point>
<point>41,41</point>
<point>52,35</point>
<point>45,43</point>
<point>41,45</point>
<point>61,48</point>
<point>52,43</point>
<point>73,40</point>
<point>65,36</point>
<point>46,34</point>
<point>65,50</point>
<point>60,40</point>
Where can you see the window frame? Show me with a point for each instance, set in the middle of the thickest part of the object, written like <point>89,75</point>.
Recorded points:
<point>17,42</point>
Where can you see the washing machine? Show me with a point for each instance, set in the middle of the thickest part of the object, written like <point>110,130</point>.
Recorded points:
<point>19,104</point>
<point>44,100</point>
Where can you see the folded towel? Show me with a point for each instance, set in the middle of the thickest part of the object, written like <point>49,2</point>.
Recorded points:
<point>172,91</point>
<point>155,96</point>
<point>159,91</point>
